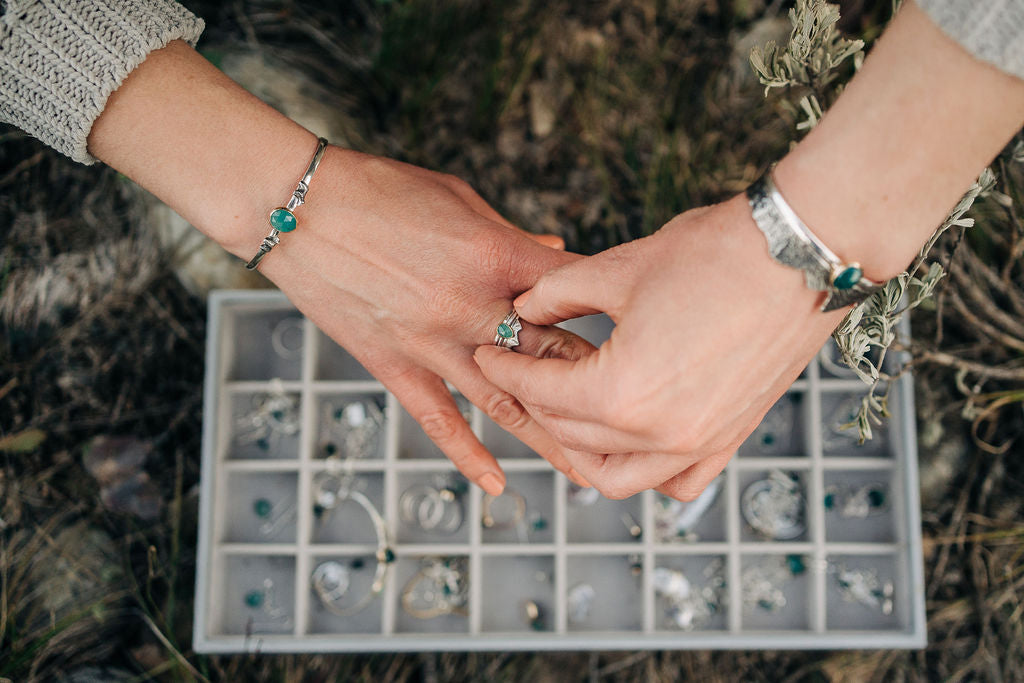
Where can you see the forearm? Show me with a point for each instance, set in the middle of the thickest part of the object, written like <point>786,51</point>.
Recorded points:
<point>213,152</point>
<point>903,142</point>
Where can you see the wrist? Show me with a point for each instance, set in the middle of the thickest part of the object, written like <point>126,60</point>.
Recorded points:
<point>210,150</point>
<point>894,154</point>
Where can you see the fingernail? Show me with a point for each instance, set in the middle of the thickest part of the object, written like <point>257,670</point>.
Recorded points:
<point>578,479</point>
<point>492,484</point>
<point>520,300</point>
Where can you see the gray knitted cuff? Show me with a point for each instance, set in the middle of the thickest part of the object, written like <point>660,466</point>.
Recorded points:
<point>61,59</point>
<point>991,30</point>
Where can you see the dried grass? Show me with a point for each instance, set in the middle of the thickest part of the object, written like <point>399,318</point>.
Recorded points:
<point>596,120</point>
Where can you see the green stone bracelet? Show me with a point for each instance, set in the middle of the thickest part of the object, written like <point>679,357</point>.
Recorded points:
<point>282,219</point>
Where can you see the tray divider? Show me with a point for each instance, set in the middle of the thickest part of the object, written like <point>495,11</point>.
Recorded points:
<point>732,536</point>
<point>304,518</point>
<point>390,512</point>
<point>476,564</point>
<point>815,498</point>
<point>647,525</point>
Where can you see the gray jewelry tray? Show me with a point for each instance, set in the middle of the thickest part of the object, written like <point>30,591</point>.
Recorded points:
<point>575,545</point>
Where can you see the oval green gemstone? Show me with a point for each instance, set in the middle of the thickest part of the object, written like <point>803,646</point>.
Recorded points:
<point>849,276</point>
<point>505,331</point>
<point>830,501</point>
<point>254,599</point>
<point>262,508</point>
<point>796,564</point>
<point>283,220</point>
<point>876,498</point>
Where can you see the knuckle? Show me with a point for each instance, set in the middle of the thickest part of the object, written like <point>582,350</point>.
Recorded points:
<point>490,251</point>
<point>442,425</point>
<point>613,490</point>
<point>562,345</point>
<point>504,409</point>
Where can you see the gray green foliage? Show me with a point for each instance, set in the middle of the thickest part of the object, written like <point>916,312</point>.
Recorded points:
<point>811,60</point>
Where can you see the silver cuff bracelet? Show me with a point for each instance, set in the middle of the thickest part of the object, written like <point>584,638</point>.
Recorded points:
<point>792,244</point>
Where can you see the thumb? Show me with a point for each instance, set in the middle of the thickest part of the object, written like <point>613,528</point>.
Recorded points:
<point>597,284</point>
<point>552,241</point>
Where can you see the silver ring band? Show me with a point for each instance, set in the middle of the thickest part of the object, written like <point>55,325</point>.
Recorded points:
<point>507,333</point>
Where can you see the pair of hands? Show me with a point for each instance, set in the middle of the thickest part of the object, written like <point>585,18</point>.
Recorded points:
<point>412,271</point>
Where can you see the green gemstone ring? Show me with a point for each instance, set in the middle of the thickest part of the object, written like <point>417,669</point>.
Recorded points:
<point>507,334</point>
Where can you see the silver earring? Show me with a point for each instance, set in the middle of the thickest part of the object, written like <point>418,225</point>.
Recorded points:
<point>354,428</point>
<point>686,606</point>
<point>675,520</point>
<point>769,436</point>
<point>274,517</point>
<point>834,437</point>
<point>274,415</point>
<point>857,502</point>
<point>864,587</point>
<point>264,599</point>
<point>435,509</point>
<point>579,601</point>
<point>286,338</point>
<point>774,506</point>
<point>761,584</point>
<point>440,587</point>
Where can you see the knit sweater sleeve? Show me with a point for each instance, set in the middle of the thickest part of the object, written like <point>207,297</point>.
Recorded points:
<point>991,30</point>
<point>61,59</point>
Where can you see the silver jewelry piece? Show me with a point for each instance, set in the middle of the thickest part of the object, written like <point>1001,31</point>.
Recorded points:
<point>863,586</point>
<point>357,425</point>
<point>435,509</point>
<point>835,436</point>
<point>774,506</point>
<point>275,516</point>
<point>582,495</point>
<point>515,516</point>
<point>769,436</point>
<point>440,587</point>
<point>286,338</point>
<point>298,198</point>
<point>265,600</point>
<point>857,502</point>
<point>792,244</point>
<point>331,581</point>
<point>761,584</point>
<point>579,601</point>
<point>274,415</point>
<point>507,334</point>
<point>675,520</point>
<point>686,606</point>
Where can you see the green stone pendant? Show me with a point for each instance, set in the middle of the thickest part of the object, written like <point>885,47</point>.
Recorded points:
<point>848,277</point>
<point>283,220</point>
<point>505,331</point>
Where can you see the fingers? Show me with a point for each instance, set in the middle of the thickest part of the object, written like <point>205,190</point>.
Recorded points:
<point>552,385</point>
<point>510,415</point>
<point>429,402</point>
<point>552,342</point>
<point>550,241</point>
<point>690,483</point>
<point>466,192</point>
<point>598,284</point>
<point>625,474</point>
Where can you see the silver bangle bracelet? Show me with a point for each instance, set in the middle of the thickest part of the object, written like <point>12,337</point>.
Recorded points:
<point>282,219</point>
<point>792,244</point>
